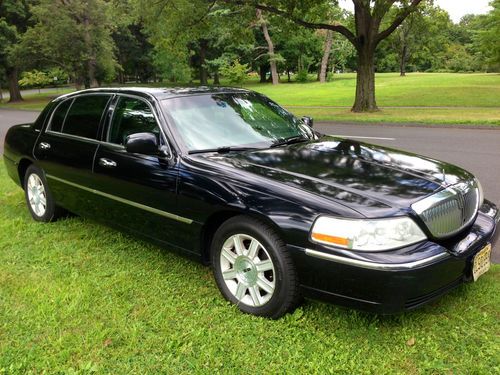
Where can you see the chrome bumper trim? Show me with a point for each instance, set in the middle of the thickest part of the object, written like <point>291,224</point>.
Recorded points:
<point>125,201</point>
<point>377,266</point>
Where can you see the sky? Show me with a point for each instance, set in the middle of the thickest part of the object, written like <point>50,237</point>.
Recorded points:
<point>456,8</point>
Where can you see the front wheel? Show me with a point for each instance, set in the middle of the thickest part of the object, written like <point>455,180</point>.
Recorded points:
<point>253,269</point>
<point>39,199</point>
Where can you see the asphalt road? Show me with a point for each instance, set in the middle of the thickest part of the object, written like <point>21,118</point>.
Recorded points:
<point>475,149</point>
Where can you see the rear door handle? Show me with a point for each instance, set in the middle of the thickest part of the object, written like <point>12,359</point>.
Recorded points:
<point>44,146</point>
<point>107,163</point>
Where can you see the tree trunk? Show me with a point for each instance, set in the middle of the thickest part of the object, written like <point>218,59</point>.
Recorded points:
<point>365,82</point>
<point>90,80</point>
<point>270,48</point>
<point>365,43</point>
<point>1,93</point>
<point>326,56</point>
<point>402,61</point>
<point>216,77</point>
<point>263,73</point>
<point>14,91</point>
<point>288,75</point>
<point>203,56</point>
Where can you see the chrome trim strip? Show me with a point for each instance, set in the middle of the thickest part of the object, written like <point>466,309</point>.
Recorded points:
<point>376,266</point>
<point>125,201</point>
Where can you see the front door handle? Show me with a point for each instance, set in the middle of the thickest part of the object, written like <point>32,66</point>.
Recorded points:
<point>107,163</point>
<point>44,146</point>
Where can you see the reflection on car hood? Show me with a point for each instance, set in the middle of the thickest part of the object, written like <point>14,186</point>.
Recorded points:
<point>358,175</point>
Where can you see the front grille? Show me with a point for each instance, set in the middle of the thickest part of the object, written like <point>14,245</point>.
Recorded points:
<point>449,211</point>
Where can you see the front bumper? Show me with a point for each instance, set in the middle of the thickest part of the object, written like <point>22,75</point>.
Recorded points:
<point>394,281</point>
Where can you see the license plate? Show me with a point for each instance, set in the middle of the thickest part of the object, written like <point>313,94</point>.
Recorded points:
<point>481,263</point>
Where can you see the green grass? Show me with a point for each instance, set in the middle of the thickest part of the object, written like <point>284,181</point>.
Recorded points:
<point>473,98</point>
<point>76,297</point>
<point>465,116</point>
<point>416,89</point>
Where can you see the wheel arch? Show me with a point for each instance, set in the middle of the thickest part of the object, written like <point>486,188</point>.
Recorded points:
<point>213,223</point>
<point>23,166</point>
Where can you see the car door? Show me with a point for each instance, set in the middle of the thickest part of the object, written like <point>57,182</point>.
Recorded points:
<point>66,148</point>
<point>139,191</point>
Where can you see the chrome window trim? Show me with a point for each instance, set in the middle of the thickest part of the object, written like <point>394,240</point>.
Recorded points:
<point>377,266</point>
<point>125,201</point>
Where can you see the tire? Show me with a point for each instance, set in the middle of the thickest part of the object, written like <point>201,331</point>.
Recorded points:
<point>253,269</point>
<point>39,199</point>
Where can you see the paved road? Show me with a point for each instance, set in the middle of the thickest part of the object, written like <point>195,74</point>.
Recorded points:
<point>11,117</point>
<point>475,149</point>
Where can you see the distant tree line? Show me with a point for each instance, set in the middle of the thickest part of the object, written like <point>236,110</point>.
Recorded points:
<point>92,42</point>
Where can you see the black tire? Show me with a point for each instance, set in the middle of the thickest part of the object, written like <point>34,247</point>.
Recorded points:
<point>285,296</point>
<point>51,212</point>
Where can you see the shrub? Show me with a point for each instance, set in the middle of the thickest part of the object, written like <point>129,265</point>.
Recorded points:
<point>302,75</point>
<point>234,71</point>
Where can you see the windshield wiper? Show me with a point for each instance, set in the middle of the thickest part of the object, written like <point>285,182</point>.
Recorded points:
<point>222,150</point>
<point>289,140</point>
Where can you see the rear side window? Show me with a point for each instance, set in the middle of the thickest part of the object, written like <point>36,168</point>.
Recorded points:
<point>85,115</point>
<point>59,115</point>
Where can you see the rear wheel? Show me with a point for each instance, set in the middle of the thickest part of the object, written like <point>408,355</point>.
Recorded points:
<point>253,269</point>
<point>38,196</point>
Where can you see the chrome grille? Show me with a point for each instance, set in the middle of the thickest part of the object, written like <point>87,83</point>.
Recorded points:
<point>450,210</point>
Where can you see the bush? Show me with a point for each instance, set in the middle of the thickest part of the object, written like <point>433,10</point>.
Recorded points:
<point>234,72</point>
<point>35,78</point>
<point>302,75</point>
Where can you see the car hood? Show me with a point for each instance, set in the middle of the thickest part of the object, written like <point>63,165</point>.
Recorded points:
<point>364,177</point>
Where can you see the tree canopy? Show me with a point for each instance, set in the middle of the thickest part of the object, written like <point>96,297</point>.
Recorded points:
<point>198,41</point>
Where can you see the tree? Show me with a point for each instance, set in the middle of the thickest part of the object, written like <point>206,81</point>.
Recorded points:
<point>326,56</point>
<point>78,39</point>
<point>365,35</point>
<point>134,53</point>
<point>270,46</point>
<point>14,20</point>
<point>487,38</point>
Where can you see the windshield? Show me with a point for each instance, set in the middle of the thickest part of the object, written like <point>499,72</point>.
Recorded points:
<point>234,120</point>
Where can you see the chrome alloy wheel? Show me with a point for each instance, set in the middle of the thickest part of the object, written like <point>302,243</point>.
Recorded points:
<point>36,195</point>
<point>248,270</point>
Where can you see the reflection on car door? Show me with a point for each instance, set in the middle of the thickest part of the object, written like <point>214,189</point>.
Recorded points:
<point>66,149</point>
<point>141,189</point>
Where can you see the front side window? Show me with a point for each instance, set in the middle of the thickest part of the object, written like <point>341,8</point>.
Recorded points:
<point>59,115</point>
<point>131,116</point>
<point>85,115</point>
<point>232,120</point>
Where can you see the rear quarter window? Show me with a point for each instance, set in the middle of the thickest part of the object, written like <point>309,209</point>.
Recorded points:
<point>59,115</point>
<point>41,119</point>
<point>85,115</point>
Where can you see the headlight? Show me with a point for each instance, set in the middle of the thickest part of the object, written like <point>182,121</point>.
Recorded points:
<point>366,235</point>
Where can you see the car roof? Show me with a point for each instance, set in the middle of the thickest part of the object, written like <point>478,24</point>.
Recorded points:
<point>159,93</point>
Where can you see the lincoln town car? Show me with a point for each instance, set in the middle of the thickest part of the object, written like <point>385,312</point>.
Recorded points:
<point>277,209</point>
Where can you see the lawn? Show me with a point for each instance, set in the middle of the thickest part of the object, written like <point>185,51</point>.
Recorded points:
<point>76,297</point>
<point>467,98</point>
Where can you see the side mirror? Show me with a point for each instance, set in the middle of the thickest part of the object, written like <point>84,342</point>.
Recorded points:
<point>308,121</point>
<point>142,143</point>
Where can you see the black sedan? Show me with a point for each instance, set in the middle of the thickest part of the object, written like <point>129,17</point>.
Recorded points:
<point>279,210</point>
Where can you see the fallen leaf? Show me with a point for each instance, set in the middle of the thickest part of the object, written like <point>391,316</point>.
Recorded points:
<point>411,342</point>
<point>107,342</point>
